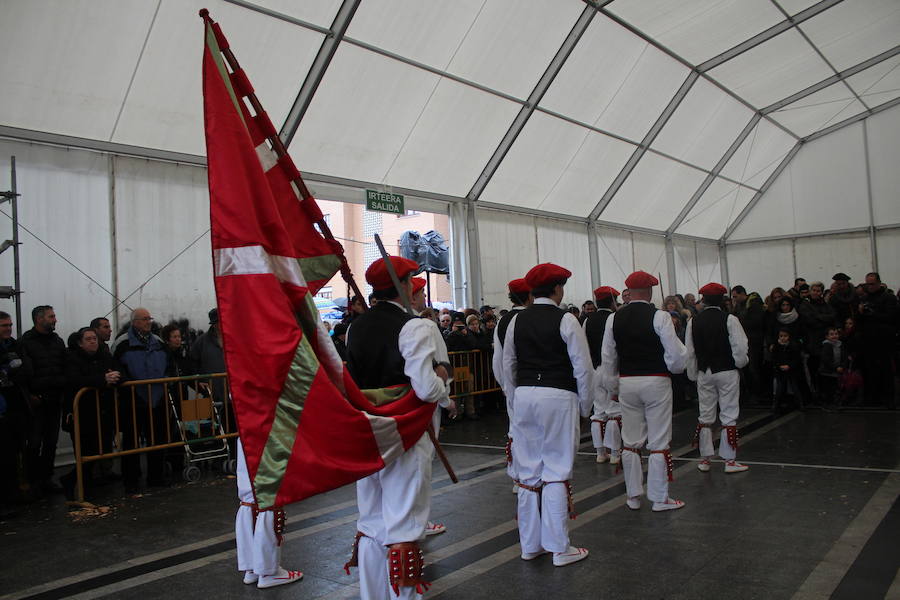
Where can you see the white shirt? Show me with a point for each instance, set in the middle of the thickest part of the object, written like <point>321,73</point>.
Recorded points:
<point>736,338</point>
<point>674,352</point>
<point>576,344</point>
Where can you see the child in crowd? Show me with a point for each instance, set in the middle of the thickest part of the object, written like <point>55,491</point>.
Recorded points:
<point>788,366</point>
<point>833,364</point>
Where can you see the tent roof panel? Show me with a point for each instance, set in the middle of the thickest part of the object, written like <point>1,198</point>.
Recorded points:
<point>170,115</point>
<point>817,111</point>
<point>615,81</point>
<point>794,6</point>
<point>698,30</point>
<point>317,12</point>
<point>854,30</point>
<point>883,132</point>
<point>716,209</point>
<point>773,70</point>
<point>878,84</point>
<point>759,155</point>
<point>703,126</point>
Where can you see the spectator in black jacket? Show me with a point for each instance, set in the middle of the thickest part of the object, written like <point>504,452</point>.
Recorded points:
<point>751,312</point>
<point>15,415</point>
<point>834,363</point>
<point>843,297</point>
<point>179,363</point>
<point>788,365</point>
<point>459,340</point>
<point>88,366</point>
<point>817,317</point>
<point>47,387</point>
<point>877,323</point>
<point>340,340</point>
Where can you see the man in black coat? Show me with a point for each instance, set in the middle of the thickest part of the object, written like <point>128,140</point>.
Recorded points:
<point>47,386</point>
<point>878,330</point>
<point>15,414</point>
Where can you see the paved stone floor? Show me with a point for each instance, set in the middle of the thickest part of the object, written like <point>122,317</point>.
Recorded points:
<point>817,516</point>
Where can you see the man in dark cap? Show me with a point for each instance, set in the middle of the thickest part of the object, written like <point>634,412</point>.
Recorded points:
<point>640,350</point>
<point>843,297</point>
<point>547,373</point>
<point>606,420</point>
<point>716,348</point>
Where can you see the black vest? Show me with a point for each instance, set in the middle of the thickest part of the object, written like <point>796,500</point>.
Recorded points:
<point>594,328</point>
<point>503,325</point>
<point>541,353</point>
<point>373,351</point>
<point>637,344</point>
<point>711,343</point>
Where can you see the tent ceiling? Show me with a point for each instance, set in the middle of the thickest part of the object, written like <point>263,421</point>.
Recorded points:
<point>664,116</point>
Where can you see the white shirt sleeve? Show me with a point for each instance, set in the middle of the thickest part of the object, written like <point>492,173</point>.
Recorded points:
<point>675,354</point>
<point>689,350</point>
<point>609,359</point>
<point>497,358</point>
<point>738,340</point>
<point>418,350</point>
<point>510,366</point>
<point>580,356</point>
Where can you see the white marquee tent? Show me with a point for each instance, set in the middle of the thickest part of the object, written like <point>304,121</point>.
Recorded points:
<point>744,141</point>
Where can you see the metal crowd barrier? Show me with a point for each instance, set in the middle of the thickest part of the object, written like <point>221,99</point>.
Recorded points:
<point>472,373</point>
<point>193,399</point>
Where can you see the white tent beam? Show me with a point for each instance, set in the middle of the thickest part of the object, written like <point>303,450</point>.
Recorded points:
<point>873,244</point>
<point>543,84</point>
<point>723,265</point>
<point>594,256</point>
<point>317,70</point>
<point>767,35</point>
<point>473,245</point>
<point>278,15</point>
<point>854,119</point>
<point>714,173</point>
<point>811,234</point>
<point>670,266</point>
<point>645,143</point>
<point>765,186</point>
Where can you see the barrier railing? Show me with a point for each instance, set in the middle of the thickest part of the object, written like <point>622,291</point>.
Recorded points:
<point>130,415</point>
<point>472,373</point>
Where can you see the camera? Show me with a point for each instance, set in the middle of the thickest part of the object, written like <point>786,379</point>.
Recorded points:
<point>8,362</point>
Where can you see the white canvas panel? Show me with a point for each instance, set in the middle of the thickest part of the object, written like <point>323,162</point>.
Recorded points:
<point>557,166</point>
<point>616,256</point>
<point>703,126</point>
<point>615,81</point>
<point>774,70</point>
<point>63,230</point>
<point>759,154</point>
<point>794,6</point>
<point>817,111</point>
<point>698,30</point>
<point>719,205</point>
<point>566,244</point>
<point>650,256</point>
<point>762,266</point>
<point>819,258</point>
<point>66,65</point>
<point>854,30</point>
<point>654,193</point>
<point>165,107</point>
<point>884,146</point>
<point>696,264</point>
<point>879,84</point>
<point>888,248</point>
<point>317,12</point>
<point>362,113</point>
<point>823,188</point>
<point>504,45</point>
<point>469,124</point>
<point>508,244</point>
<point>708,267</point>
<point>162,225</point>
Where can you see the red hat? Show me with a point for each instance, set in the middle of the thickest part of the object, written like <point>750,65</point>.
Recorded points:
<point>713,289</point>
<point>519,286</point>
<point>377,274</point>
<point>418,284</point>
<point>545,274</point>
<point>641,280</point>
<point>605,291</point>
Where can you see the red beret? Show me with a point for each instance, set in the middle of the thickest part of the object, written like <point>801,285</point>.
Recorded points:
<point>713,289</point>
<point>418,284</point>
<point>377,274</point>
<point>545,274</point>
<point>641,280</point>
<point>519,286</point>
<point>605,291</point>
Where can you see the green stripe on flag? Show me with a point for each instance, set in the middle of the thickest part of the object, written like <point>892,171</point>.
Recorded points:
<point>277,453</point>
<point>319,268</point>
<point>223,71</point>
<point>381,396</point>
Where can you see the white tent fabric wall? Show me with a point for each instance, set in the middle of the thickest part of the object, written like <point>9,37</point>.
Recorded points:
<point>818,258</point>
<point>888,245</point>
<point>508,244</point>
<point>761,266</point>
<point>566,244</point>
<point>64,203</point>
<point>650,255</point>
<point>616,256</point>
<point>696,264</point>
<point>883,133</point>
<point>162,215</point>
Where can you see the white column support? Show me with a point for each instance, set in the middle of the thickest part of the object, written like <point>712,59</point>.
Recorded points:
<point>113,244</point>
<point>460,275</point>
<point>670,265</point>
<point>723,265</point>
<point>873,244</point>
<point>473,245</point>
<point>594,256</point>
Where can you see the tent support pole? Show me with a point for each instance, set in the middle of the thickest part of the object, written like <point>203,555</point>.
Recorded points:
<point>873,244</point>
<point>670,265</point>
<point>594,256</point>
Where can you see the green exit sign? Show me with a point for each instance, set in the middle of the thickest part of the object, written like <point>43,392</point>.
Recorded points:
<point>384,202</point>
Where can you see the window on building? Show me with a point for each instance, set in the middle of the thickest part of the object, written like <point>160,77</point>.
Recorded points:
<point>409,213</point>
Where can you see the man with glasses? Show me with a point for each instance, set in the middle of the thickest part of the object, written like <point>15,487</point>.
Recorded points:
<point>142,410</point>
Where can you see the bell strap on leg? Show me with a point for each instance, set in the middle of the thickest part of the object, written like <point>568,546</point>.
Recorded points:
<point>696,442</point>
<point>570,500</point>
<point>278,522</point>
<point>509,450</point>
<point>406,567</point>
<point>670,465</point>
<point>354,555</point>
<point>637,451</point>
<point>731,434</point>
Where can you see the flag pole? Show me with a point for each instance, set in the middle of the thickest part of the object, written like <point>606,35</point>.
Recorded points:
<point>307,200</point>
<point>406,303</point>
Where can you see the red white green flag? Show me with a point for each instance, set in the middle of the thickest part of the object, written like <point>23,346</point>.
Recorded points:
<point>304,425</point>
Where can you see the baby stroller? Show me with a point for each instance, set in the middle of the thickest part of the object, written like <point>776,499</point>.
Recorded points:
<point>198,421</point>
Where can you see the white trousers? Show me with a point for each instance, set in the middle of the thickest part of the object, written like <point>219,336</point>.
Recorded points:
<point>394,506</point>
<point>546,428</point>
<point>646,419</point>
<point>718,390</point>
<point>257,547</point>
